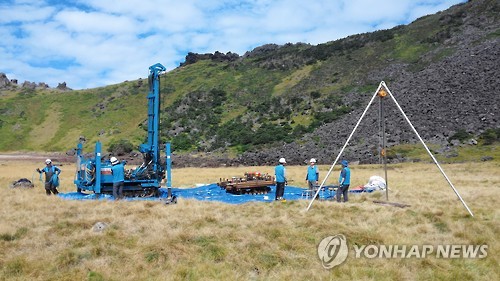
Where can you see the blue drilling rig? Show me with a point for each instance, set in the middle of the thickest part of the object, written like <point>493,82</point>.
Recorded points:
<point>94,173</point>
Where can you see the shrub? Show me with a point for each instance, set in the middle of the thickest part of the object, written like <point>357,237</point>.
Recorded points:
<point>121,147</point>
<point>300,130</point>
<point>182,142</point>
<point>315,95</point>
<point>328,116</point>
<point>235,132</point>
<point>461,135</point>
<point>490,136</point>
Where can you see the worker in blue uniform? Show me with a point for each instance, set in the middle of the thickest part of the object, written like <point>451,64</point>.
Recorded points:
<point>312,176</point>
<point>344,181</point>
<point>280,173</point>
<point>51,177</point>
<point>118,171</point>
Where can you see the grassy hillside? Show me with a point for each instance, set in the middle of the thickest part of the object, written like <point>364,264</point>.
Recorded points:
<point>273,93</point>
<point>51,120</point>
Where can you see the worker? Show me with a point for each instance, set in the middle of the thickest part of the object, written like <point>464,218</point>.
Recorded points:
<point>51,177</point>
<point>280,174</point>
<point>312,176</point>
<point>118,171</point>
<point>344,181</point>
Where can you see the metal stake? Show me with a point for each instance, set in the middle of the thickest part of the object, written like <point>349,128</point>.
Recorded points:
<point>384,148</point>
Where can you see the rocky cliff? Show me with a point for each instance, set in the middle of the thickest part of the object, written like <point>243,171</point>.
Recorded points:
<point>457,93</point>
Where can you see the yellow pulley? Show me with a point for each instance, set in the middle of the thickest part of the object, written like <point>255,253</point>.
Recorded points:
<point>382,93</point>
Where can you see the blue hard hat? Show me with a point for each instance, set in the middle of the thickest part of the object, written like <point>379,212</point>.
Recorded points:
<point>344,163</point>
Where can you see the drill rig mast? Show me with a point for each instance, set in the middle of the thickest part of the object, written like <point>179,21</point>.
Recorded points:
<point>94,174</point>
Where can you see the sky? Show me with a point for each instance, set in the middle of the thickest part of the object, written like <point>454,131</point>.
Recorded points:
<point>94,43</point>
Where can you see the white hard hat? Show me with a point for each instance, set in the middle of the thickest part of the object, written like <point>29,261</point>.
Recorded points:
<point>113,160</point>
<point>312,160</point>
<point>282,160</point>
<point>48,161</point>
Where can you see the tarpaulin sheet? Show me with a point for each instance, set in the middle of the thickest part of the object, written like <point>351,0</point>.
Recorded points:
<point>210,192</point>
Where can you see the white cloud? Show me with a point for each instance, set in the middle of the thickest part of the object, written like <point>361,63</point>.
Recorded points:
<point>96,22</point>
<point>90,43</point>
<point>24,13</point>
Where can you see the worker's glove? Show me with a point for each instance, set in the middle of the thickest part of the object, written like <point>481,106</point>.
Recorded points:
<point>38,170</point>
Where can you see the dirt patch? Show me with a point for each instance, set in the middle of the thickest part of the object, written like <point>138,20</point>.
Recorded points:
<point>55,157</point>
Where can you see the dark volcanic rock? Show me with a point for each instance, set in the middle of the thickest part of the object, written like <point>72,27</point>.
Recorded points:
<point>459,92</point>
<point>217,56</point>
<point>62,86</point>
<point>4,81</point>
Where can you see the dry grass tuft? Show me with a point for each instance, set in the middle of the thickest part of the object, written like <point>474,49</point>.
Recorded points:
<point>48,238</point>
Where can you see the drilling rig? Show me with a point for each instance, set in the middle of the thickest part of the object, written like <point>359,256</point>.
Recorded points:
<point>94,173</point>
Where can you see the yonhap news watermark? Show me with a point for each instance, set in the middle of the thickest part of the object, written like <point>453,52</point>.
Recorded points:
<point>334,250</point>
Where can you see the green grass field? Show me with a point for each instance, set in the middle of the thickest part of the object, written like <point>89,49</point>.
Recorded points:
<point>48,238</point>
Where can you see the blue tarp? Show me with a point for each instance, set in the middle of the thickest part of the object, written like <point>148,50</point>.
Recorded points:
<point>211,192</point>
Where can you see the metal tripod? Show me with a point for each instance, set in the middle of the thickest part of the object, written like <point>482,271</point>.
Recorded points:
<point>382,88</point>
